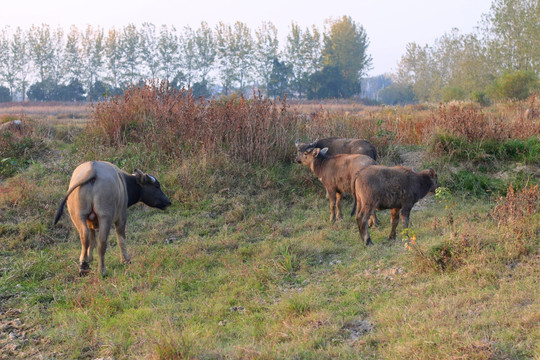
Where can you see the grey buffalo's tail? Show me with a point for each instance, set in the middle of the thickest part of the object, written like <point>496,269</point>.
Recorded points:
<point>61,207</point>
<point>60,210</point>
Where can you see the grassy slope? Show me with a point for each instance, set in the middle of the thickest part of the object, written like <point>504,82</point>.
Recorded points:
<point>252,268</point>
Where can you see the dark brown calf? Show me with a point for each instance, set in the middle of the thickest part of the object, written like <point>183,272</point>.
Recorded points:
<point>335,172</point>
<point>337,146</point>
<point>397,188</point>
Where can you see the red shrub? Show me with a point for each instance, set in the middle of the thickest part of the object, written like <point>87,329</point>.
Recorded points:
<point>174,123</point>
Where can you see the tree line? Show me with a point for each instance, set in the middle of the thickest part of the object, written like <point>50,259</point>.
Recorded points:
<point>499,60</point>
<point>42,63</point>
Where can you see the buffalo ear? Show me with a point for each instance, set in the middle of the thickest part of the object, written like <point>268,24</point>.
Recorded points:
<point>297,143</point>
<point>431,173</point>
<point>323,151</point>
<point>139,176</point>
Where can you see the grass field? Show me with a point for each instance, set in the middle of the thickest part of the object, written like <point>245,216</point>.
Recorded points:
<point>246,265</point>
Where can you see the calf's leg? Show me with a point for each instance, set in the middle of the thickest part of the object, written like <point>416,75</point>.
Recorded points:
<point>332,200</point>
<point>373,221</point>
<point>405,213</point>
<point>338,205</point>
<point>394,214</point>
<point>362,218</point>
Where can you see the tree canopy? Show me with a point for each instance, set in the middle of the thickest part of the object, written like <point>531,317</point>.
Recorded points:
<point>223,59</point>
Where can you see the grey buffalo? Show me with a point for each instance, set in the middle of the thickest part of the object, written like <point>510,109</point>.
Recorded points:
<point>98,196</point>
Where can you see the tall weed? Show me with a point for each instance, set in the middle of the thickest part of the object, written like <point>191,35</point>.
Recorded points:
<point>175,124</point>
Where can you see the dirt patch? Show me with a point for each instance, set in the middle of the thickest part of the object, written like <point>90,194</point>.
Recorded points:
<point>412,159</point>
<point>15,336</point>
<point>357,329</point>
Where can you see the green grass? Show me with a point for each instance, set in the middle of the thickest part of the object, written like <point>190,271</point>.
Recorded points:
<point>245,264</point>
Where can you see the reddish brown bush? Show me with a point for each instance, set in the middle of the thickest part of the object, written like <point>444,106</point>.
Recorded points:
<point>517,206</point>
<point>174,123</point>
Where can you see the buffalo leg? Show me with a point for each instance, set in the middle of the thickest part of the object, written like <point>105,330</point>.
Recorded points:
<point>362,218</point>
<point>91,245</point>
<point>338,205</point>
<point>104,228</point>
<point>394,213</point>
<point>332,200</point>
<point>121,236</point>
<point>84,234</point>
<point>373,221</point>
<point>405,213</point>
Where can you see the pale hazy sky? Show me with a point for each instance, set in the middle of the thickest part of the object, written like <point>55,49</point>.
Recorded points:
<point>390,24</point>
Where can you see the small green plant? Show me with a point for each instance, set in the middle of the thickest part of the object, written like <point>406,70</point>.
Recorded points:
<point>443,194</point>
<point>288,261</point>
<point>476,184</point>
<point>438,258</point>
<point>298,304</point>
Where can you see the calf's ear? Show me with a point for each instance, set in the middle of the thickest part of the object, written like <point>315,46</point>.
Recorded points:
<point>297,143</point>
<point>316,152</point>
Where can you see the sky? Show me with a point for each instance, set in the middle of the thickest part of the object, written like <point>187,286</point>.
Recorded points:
<point>389,24</point>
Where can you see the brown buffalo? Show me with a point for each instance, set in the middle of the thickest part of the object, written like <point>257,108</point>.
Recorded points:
<point>335,172</point>
<point>398,188</point>
<point>337,146</point>
<point>98,196</point>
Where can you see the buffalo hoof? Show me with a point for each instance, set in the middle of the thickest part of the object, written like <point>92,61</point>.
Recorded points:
<point>373,224</point>
<point>84,269</point>
<point>369,242</point>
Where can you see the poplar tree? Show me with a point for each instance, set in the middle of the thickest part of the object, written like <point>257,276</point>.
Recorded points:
<point>113,52</point>
<point>512,32</point>
<point>188,54</point>
<point>149,44</point>
<point>130,48</point>
<point>169,55</point>
<point>205,49</point>
<point>73,53</point>
<point>8,65</point>
<point>234,45</point>
<point>40,49</point>
<point>57,57</point>
<point>302,51</point>
<point>93,49</point>
<point>21,55</point>
<point>266,52</point>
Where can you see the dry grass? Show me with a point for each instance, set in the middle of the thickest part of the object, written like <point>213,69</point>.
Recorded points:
<point>175,124</point>
<point>47,113</point>
<point>244,263</point>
